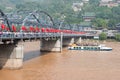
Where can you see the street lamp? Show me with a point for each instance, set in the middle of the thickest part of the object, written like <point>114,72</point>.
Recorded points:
<point>62,20</point>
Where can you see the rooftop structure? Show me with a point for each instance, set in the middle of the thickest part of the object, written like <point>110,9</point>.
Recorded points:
<point>88,16</point>
<point>118,26</point>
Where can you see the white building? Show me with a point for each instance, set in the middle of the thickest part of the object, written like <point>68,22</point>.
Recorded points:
<point>85,1</point>
<point>106,0</point>
<point>118,1</point>
<point>108,3</point>
<point>77,6</point>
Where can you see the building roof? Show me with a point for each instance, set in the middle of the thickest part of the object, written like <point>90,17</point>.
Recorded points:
<point>118,25</point>
<point>85,24</point>
<point>106,0</point>
<point>89,14</point>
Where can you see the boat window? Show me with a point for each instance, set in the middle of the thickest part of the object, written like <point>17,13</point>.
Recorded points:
<point>96,48</point>
<point>92,48</point>
<point>74,47</point>
<point>79,47</point>
<point>85,48</point>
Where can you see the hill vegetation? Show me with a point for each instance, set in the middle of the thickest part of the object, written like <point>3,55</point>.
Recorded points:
<point>105,17</point>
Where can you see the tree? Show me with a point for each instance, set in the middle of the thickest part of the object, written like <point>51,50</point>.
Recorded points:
<point>117,37</point>
<point>94,2</point>
<point>103,36</point>
<point>2,7</point>
<point>103,12</point>
<point>100,23</point>
<point>112,23</point>
<point>116,12</point>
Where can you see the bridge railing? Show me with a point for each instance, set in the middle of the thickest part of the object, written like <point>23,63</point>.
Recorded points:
<point>27,35</point>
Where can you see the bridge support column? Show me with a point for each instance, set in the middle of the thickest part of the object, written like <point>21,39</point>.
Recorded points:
<point>51,45</point>
<point>11,56</point>
<point>78,40</point>
<point>68,41</point>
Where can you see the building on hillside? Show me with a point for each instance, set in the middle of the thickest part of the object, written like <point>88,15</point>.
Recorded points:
<point>108,3</point>
<point>85,1</point>
<point>118,26</point>
<point>106,0</point>
<point>113,4</point>
<point>77,6</point>
<point>118,1</point>
<point>88,16</point>
<point>9,8</point>
<point>103,4</point>
<point>85,26</point>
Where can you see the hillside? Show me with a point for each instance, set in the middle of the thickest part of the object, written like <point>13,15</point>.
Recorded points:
<point>58,8</point>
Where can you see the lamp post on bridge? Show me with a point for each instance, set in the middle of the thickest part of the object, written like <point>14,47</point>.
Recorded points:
<point>62,20</point>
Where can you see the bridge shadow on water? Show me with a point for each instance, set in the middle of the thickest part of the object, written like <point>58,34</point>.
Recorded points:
<point>33,54</point>
<point>6,53</point>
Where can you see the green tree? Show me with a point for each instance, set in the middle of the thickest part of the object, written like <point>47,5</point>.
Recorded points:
<point>117,37</point>
<point>94,2</point>
<point>103,12</point>
<point>112,23</point>
<point>103,36</point>
<point>116,14</point>
<point>100,23</point>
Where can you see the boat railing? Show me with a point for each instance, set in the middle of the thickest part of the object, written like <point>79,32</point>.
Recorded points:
<point>87,44</point>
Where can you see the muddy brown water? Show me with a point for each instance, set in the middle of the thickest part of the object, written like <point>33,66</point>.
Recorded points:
<point>68,65</point>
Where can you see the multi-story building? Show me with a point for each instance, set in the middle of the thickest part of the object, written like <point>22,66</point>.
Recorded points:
<point>77,6</point>
<point>85,1</point>
<point>118,1</point>
<point>88,16</point>
<point>109,3</point>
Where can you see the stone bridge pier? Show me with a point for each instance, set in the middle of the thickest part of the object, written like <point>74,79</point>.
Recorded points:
<point>71,40</point>
<point>54,45</point>
<point>11,56</point>
<point>68,41</point>
<point>78,40</point>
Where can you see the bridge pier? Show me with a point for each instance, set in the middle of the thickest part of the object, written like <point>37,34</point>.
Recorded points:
<point>68,41</point>
<point>11,56</point>
<point>51,45</point>
<point>78,40</point>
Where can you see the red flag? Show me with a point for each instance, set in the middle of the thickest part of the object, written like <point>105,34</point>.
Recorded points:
<point>43,29</point>
<point>37,29</point>
<point>34,30</point>
<point>47,30</point>
<point>7,29</point>
<point>13,28</point>
<point>23,28</point>
<point>31,28</point>
<point>3,26</point>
